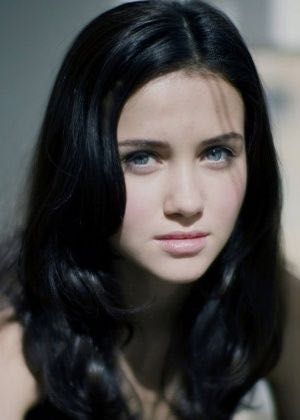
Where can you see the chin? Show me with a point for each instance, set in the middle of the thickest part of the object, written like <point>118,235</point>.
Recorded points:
<point>183,270</point>
<point>184,276</point>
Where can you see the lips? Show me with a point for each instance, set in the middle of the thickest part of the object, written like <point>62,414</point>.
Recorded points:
<point>182,235</point>
<point>182,243</point>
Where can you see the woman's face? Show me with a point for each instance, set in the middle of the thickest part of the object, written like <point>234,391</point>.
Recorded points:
<point>181,142</point>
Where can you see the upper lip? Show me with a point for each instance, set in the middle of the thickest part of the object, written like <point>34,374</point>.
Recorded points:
<point>182,235</point>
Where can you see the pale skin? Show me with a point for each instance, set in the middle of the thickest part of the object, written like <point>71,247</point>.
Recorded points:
<point>18,388</point>
<point>195,180</point>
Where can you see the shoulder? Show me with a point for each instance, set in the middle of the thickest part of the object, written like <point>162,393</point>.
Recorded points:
<point>18,389</point>
<point>285,376</point>
<point>257,404</point>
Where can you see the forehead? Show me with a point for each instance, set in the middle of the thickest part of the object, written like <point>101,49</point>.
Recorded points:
<point>181,102</point>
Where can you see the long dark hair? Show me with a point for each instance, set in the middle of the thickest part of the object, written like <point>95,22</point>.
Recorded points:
<point>70,304</point>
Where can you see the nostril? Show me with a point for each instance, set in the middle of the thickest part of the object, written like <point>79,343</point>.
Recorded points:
<point>187,206</point>
<point>184,208</point>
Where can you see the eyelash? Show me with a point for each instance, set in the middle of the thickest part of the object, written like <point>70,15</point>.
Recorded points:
<point>229,153</point>
<point>129,158</point>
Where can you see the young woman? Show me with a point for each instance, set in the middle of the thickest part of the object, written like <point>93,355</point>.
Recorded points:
<point>146,281</point>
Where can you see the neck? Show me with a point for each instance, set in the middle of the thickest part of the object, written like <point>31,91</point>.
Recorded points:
<point>159,304</point>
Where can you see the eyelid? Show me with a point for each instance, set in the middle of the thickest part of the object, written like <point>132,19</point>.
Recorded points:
<point>129,155</point>
<point>231,152</point>
<point>220,146</point>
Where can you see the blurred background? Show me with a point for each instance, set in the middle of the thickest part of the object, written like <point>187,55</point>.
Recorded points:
<point>34,35</point>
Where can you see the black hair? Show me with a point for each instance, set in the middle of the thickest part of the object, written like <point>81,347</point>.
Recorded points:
<point>70,304</point>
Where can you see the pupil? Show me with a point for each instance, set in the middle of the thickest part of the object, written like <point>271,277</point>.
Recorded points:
<point>216,154</point>
<point>141,159</point>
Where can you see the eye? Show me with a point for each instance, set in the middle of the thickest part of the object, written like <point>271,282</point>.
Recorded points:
<point>218,154</point>
<point>139,159</point>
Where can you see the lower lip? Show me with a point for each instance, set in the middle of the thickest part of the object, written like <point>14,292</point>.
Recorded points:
<point>182,247</point>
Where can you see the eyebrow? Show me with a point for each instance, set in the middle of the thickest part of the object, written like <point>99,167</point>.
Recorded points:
<point>226,137</point>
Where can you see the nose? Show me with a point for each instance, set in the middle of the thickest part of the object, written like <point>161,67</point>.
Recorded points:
<point>183,193</point>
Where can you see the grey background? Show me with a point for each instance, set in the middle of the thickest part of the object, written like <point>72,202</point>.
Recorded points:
<point>34,35</point>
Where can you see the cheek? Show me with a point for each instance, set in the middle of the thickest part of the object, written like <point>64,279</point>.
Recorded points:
<point>226,198</point>
<point>141,205</point>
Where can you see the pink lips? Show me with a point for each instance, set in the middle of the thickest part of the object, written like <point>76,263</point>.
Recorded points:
<point>182,243</point>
